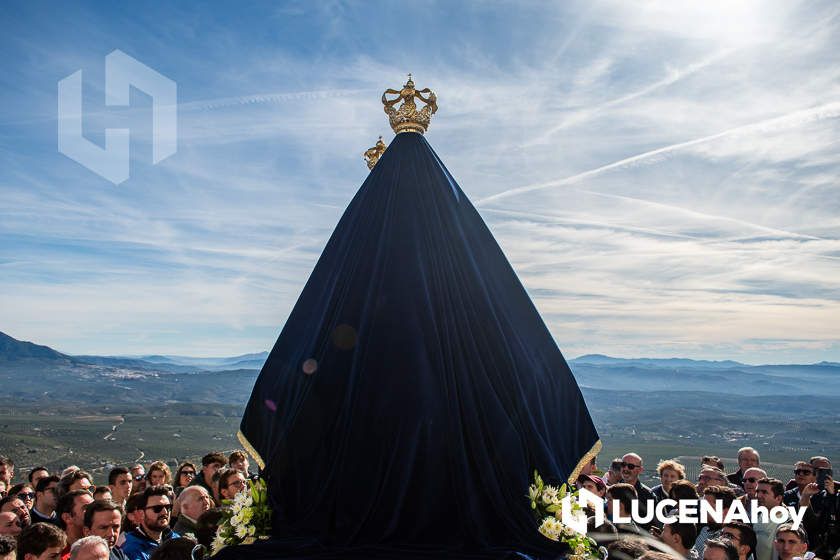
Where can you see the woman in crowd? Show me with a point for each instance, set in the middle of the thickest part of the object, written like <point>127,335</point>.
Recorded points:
<point>159,474</point>
<point>184,476</point>
<point>669,471</point>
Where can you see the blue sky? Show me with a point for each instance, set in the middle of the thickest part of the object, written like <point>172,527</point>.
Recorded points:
<point>663,176</point>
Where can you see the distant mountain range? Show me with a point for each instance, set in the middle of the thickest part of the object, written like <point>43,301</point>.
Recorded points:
<point>38,373</point>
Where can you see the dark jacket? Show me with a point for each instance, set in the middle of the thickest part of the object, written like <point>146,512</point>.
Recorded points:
<point>184,526</point>
<point>117,554</point>
<point>644,494</point>
<point>38,518</point>
<point>658,492</point>
<point>138,546</point>
<point>736,478</point>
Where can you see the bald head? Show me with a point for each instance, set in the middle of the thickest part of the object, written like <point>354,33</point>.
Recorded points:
<point>194,500</point>
<point>631,468</point>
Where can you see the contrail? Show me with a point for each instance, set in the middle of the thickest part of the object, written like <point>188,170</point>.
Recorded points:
<point>673,78</point>
<point>790,120</point>
<point>270,98</point>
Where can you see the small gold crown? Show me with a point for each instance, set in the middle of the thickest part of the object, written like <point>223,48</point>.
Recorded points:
<point>407,118</point>
<point>373,154</point>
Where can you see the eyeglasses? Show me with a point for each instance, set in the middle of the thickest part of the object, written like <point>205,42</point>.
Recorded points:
<point>707,477</point>
<point>730,536</point>
<point>629,466</point>
<point>160,507</point>
<point>808,472</point>
<point>26,495</point>
<point>751,479</point>
<point>188,473</point>
<point>238,483</point>
<point>139,476</point>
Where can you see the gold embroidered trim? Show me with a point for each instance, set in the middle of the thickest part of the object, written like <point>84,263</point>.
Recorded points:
<point>586,458</point>
<point>250,449</point>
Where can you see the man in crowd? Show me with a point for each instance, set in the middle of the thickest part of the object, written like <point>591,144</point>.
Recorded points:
<point>710,476</point>
<point>120,483</point>
<point>631,468</point>
<point>210,465</point>
<point>71,514</point>
<point>74,480</point>
<point>824,501</point>
<point>89,548</point>
<point>9,524</point>
<point>239,460</point>
<point>613,475</point>
<point>193,500</point>
<point>16,506</point>
<point>46,500</point>
<point>720,549</point>
<point>104,519</point>
<point>680,537</point>
<point>747,458</point>
<point>42,541</point>
<point>749,486</point>
<point>741,535</point>
<point>231,483</point>
<point>7,470</point>
<point>8,547</point>
<point>154,526</point>
<point>803,474</point>
<point>138,478</point>
<point>790,542</point>
<point>714,495</point>
<point>622,495</point>
<point>37,474</point>
<point>768,494</point>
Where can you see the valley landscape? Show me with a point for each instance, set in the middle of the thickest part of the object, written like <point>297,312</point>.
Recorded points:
<point>98,411</point>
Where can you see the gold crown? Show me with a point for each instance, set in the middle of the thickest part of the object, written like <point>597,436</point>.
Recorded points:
<point>407,118</point>
<point>373,154</point>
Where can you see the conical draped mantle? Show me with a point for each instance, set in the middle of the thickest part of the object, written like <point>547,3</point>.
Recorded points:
<point>414,388</point>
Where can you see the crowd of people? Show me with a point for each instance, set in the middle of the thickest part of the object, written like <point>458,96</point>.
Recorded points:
<point>150,514</point>
<point>140,514</point>
<point>810,487</point>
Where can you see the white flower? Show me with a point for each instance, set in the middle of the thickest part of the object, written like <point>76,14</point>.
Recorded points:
<point>241,531</point>
<point>252,530</point>
<point>218,542</point>
<point>550,495</point>
<point>551,528</point>
<point>246,515</point>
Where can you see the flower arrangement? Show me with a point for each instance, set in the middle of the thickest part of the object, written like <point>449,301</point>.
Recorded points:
<point>246,519</point>
<point>546,502</point>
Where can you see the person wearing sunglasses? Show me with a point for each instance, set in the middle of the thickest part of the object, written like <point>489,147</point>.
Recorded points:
<point>153,529</point>
<point>631,468</point>
<point>25,492</point>
<point>46,500</point>
<point>138,476</point>
<point>749,483</point>
<point>184,476</point>
<point>803,475</point>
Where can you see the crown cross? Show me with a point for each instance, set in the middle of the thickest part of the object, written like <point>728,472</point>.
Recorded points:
<point>407,118</point>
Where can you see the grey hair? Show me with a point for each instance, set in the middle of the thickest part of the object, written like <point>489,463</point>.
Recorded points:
<point>92,540</point>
